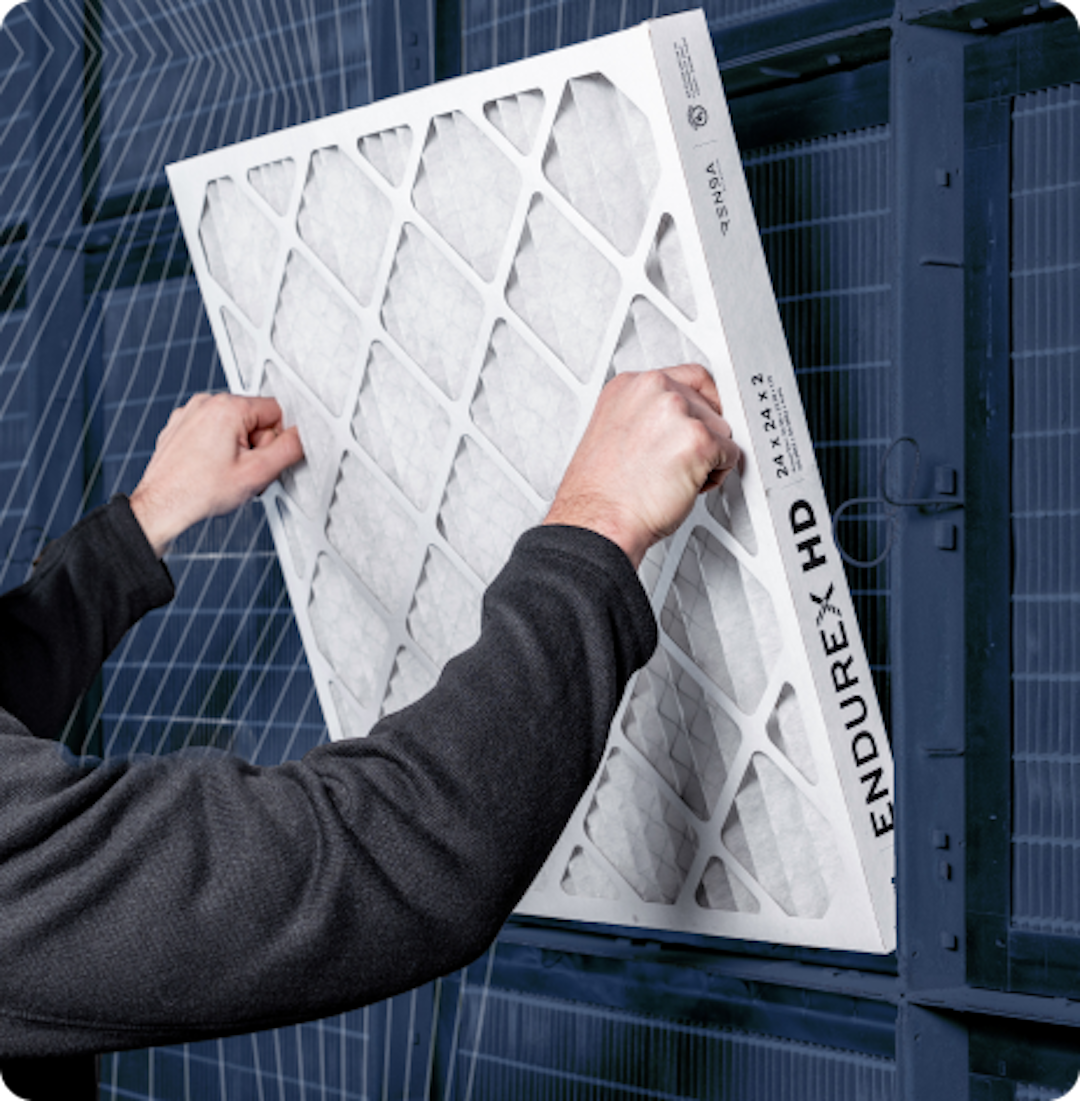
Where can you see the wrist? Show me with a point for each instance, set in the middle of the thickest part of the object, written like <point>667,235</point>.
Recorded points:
<point>153,519</point>
<point>600,517</point>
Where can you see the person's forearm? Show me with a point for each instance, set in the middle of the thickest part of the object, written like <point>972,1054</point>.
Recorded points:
<point>174,898</point>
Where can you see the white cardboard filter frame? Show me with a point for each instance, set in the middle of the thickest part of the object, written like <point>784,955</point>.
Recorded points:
<point>436,287</point>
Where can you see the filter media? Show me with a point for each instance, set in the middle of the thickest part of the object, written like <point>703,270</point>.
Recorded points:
<point>436,287</point>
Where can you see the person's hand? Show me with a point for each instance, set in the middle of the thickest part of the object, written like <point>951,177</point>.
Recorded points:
<point>655,441</point>
<point>214,454</point>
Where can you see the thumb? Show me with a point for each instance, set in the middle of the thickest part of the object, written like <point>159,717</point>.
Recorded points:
<point>265,462</point>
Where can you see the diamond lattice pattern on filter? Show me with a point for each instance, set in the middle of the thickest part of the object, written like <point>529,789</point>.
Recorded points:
<point>730,511</point>
<point>241,247</point>
<point>666,268</point>
<point>649,338</point>
<point>601,156</point>
<point>562,288</point>
<point>445,615</point>
<point>388,152</point>
<point>400,425</point>
<point>316,332</point>
<point>782,841</point>
<point>483,512</point>
<point>721,889</point>
<point>307,482</point>
<point>517,117</point>
<point>467,189</point>
<point>635,827</point>
<point>297,536</point>
<point>366,525</point>
<point>526,410</point>
<point>409,680</point>
<point>433,311</point>
<point>719,614</point>
<point>243,346</point>
<point>787,732</point>
<point>684,735</point>
<point>585,877</point>
<point>349,632</point>
<point>436,305</point>
<point>344,219</point>
<point>274,182</point>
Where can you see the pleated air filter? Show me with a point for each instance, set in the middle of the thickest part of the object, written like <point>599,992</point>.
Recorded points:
<point>436,287</point>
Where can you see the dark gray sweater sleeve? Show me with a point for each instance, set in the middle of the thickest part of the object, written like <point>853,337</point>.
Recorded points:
<point>176,898</point>
<point>88,588</point>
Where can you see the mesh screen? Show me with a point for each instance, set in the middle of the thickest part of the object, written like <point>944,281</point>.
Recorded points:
<point>535,1049</point>
<point>497,31</point>
<point>824,210</point>
<point>1045,302</point>
<point>502,1045</point>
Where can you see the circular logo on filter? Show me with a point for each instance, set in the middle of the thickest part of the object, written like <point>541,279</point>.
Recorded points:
<point>697,115</point>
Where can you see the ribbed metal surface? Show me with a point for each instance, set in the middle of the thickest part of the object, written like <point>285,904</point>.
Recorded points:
<point>824,210</point>
<point>497,31</point>
<point>1046,509</point>
<point>325,1059</point>
<point>181,78</point>
<point>537,1049</point>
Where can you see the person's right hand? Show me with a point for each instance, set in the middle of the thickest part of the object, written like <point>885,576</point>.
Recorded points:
<point>655,441</point>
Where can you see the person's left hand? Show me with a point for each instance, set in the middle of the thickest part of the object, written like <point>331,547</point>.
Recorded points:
<point>215,453</point>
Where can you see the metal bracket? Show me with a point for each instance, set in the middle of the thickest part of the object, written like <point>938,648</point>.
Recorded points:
<point>945,485</point>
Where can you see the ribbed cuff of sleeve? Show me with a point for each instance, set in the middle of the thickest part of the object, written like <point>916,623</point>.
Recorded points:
<point>148,576</point>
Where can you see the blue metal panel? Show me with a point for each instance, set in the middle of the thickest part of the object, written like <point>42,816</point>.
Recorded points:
<point>402,46</point>
<point>928,716</point>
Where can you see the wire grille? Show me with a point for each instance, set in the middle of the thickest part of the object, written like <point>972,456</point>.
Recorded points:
<point>496,31</point>
<point>537,1049</point>
<point>500,1044</point>
<point>1045,290</point>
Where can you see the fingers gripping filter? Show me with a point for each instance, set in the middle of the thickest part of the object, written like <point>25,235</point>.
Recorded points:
<point>436,287</point>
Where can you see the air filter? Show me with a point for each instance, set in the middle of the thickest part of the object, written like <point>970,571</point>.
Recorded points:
<point>436,287</point>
